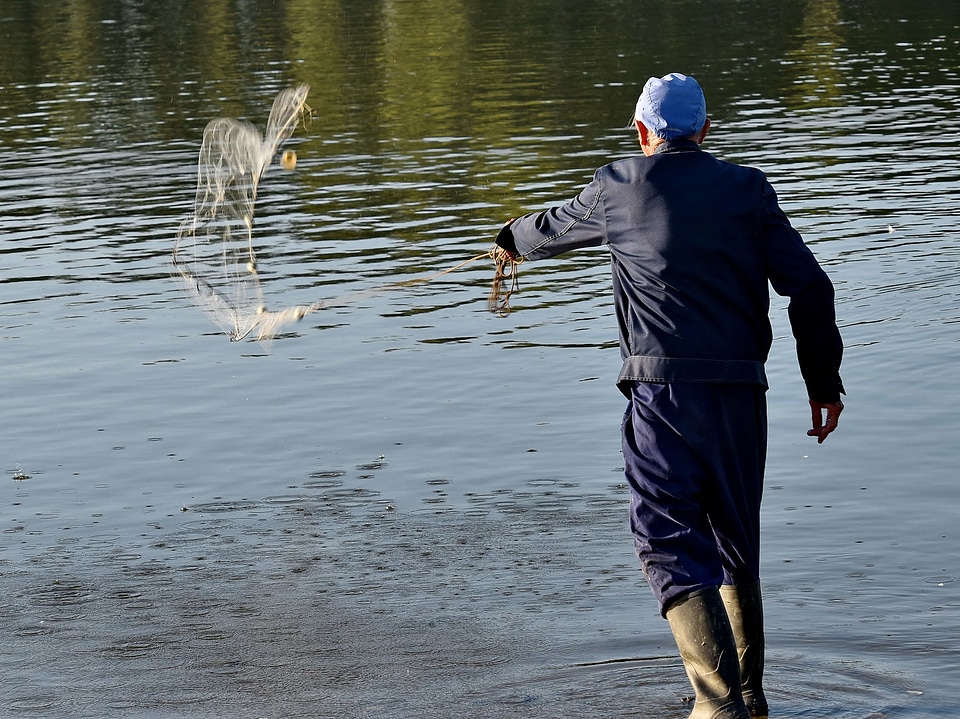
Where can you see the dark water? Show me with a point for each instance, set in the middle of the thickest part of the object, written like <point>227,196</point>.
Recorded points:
<point>406,505</point>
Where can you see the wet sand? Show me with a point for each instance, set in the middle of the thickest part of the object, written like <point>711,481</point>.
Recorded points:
<point>309,608</point>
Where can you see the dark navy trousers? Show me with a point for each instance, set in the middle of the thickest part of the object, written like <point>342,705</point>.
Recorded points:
<point>694,456</point>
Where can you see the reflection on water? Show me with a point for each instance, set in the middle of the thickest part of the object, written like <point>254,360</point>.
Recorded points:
<point>818,74</point>
<point>409,505</point>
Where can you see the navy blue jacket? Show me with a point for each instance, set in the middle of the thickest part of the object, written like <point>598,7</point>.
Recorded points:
<point>694,242</point>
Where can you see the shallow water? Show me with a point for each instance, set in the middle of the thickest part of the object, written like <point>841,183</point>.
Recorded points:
<point>406,504</point>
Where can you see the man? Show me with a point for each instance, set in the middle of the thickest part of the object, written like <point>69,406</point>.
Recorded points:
<point>694,242</point>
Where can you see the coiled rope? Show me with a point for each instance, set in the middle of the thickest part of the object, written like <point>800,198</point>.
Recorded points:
<point>504,280</point>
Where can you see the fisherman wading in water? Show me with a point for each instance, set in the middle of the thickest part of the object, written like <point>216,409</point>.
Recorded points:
<point>695,243</point>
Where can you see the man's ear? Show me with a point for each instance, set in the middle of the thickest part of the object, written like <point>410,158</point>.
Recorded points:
<point>642,132</point>
<point>648,141</point>
<point>700,136</point>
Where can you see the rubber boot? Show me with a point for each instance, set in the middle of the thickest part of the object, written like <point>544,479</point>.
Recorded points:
<point>745,610</point>
<point>702,631</point>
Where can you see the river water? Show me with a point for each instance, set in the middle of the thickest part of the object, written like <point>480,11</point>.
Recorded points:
<point>406,505</point>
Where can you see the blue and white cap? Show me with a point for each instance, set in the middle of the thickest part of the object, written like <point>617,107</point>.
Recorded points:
<point>672,106</point>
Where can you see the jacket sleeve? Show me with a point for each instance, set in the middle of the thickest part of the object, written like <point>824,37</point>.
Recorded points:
<point>795,273</point>
<point>572,225</point>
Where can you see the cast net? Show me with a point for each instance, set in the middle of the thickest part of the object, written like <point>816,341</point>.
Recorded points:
<point>214,251</point>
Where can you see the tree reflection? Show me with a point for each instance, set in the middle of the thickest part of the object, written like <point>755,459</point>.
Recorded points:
<point>817,79</point>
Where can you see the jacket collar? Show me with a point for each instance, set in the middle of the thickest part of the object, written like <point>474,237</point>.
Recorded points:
<point>679,145</point>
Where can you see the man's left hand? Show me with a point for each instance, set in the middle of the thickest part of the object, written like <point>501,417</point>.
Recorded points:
<point>823,426</point>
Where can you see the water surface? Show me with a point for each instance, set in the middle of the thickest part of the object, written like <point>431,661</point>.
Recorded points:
<point>406,505</point>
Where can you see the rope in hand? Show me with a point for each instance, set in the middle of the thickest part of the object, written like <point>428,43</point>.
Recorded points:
<point>504,278</point>
<point>505,284</point>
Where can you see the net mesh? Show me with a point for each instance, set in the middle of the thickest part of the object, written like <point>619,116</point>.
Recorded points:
<point>214,251</point>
